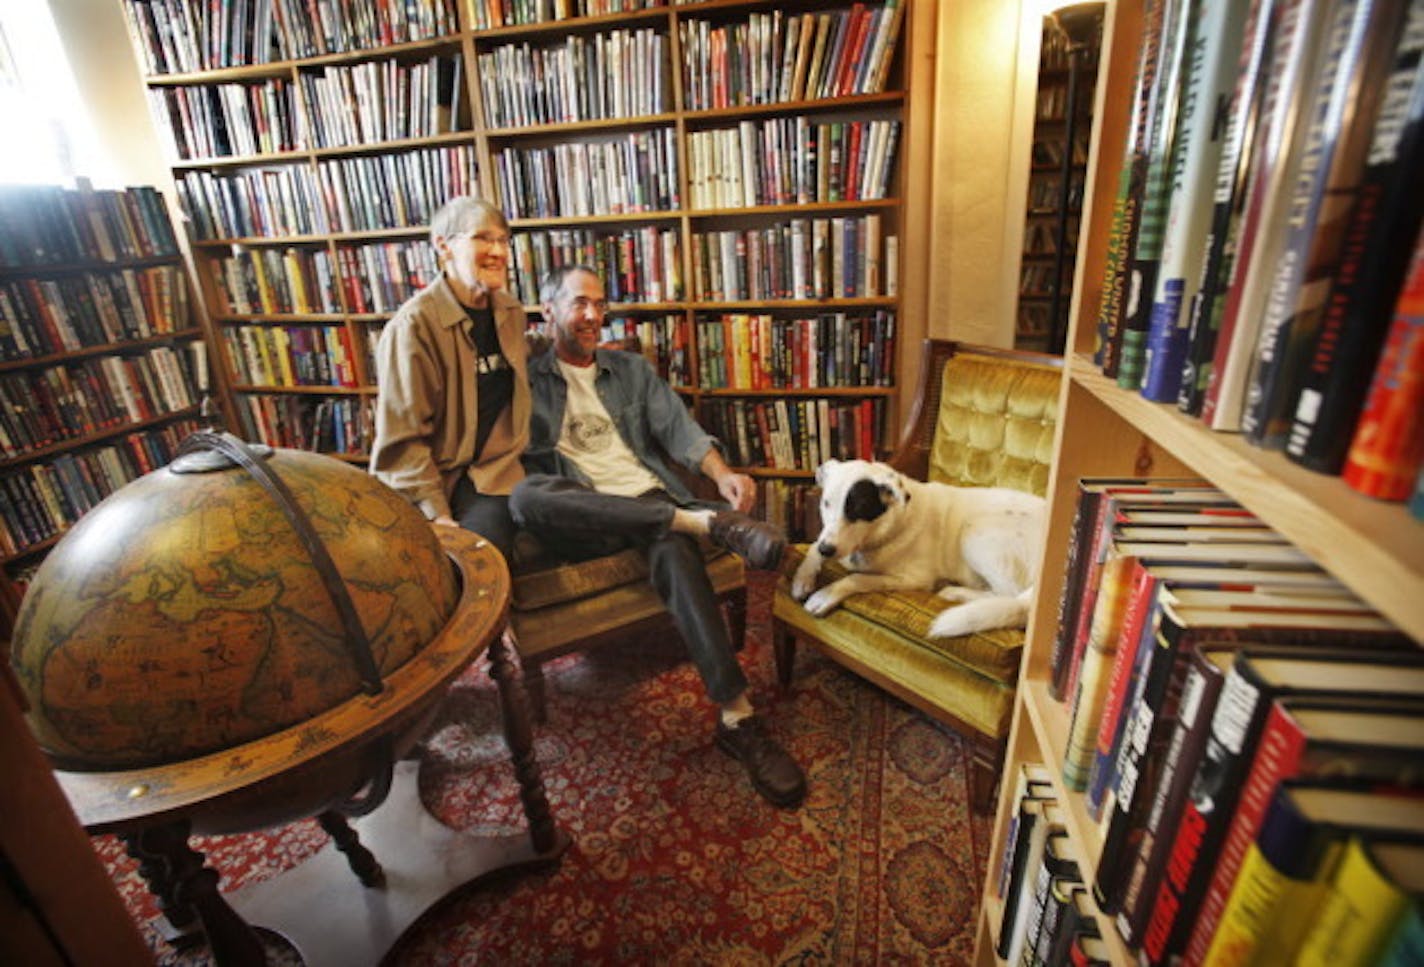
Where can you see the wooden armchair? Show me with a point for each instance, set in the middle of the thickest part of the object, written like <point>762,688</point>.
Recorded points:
<point>558,608</point>
<point>981,417</point>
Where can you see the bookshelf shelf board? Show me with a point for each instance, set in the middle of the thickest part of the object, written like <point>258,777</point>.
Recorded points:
<point>255,389</point>
<point>580,127</point>
<point>784,472</point>
<point>54,449</point>
<point>46,270</point>
<point>295,156</point>
<point>284,68</point>
<point>35,549</point>
<point>1049,720</point>
<point>874,302</point>
<point>858,204</point>
<point>105,349</point>
<point>608,219</point>
<point>787,392</point>
<point>708,117</point>
<point>253,241</point>
<point>385,147</point>
<point>1373,546</point>
<point>289,319</point>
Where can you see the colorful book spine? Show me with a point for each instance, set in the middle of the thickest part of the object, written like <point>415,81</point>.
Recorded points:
<point>1338,119</point>
<point>1388,448</point>
<point>1212,59</point>
<point>1376,249</point>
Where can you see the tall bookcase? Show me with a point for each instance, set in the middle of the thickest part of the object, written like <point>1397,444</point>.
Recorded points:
<point>1372,547</point>
<point>1057,160</point>
<point>744,207</point>
<point>103,363</point>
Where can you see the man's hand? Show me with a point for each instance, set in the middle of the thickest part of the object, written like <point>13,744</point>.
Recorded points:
<point>445,521</point>
<point>738,489</point>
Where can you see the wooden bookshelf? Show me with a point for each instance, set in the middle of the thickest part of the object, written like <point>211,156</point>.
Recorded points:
<point>491,119</point>
<point>104,359</point>
<point>1373,547</point>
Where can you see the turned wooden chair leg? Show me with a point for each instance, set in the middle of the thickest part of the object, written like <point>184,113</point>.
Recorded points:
<point>984,767</point>
<point>783,645</point>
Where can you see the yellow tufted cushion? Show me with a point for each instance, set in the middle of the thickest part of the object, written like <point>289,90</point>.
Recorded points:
<point>993,654</point>
<point>995,424</point>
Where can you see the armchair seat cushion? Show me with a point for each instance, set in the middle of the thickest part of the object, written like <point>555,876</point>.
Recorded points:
<point>541,580</point>
<point>906,615</point>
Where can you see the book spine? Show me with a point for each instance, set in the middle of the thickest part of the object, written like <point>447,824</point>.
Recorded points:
<point>1127,205</point>
<point>1387,451</point>
<point>1372,266</point>
<point>1163,156</point>
<point>1337,117</point>
<point>1212,58</point>
<point>1111,605</point>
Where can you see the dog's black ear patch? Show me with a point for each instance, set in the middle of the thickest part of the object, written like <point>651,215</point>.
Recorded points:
<point>863,501</point>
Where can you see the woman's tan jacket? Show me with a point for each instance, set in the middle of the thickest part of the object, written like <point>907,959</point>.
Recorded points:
<point>427,401</point>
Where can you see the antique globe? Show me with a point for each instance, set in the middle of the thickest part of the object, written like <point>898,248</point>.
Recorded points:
<point>208,628</point>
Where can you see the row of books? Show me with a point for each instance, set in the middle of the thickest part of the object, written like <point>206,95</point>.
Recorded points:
<point>636,264</point>
<point>633,172</point>
<point>794,506</point>
<point>1165,581</point>
<point>324,425</point>
<point>1049,917</point>
<point>662,341</point>
<point>795,434</point>
<point>227,120</point>
<point>1043,195</point>
<point>774,57</point>
<point>292,355</point>
<point>179,37</point>
<point>1046,154</point>
<point>615,74</point>
<point>41,407</point>
<point>372,278</point>
<point>273,281</point>
<point>382,100</point>
<point>790,161</point>
<point>53,225</point>
<point>805,258</point>
<point>44,317</point>
<point>1271,256</point>
<point>760,351</point>
<point>349,194</point>
<point>490,14</point>
<point>42,500</point>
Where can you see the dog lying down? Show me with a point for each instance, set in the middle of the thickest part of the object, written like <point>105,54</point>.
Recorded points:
<point>977,546</point>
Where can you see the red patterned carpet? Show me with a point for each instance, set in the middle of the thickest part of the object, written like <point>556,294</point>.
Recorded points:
<point>675,859</point>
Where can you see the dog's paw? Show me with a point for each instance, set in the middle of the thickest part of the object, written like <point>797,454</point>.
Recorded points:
<point>950,624</point>
<point>804,582</point>
<point>822,603</point>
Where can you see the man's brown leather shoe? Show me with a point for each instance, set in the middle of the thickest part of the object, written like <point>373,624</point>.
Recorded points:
<point>755,541</point>
<point>774,773</point>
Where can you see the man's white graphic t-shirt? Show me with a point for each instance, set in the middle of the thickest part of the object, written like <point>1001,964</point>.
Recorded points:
<point>591,441</point>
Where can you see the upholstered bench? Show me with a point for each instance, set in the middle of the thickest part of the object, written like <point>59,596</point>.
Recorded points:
<point>982,417</point>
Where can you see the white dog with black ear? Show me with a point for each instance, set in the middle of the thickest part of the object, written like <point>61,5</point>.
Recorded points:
<point>978,546</point>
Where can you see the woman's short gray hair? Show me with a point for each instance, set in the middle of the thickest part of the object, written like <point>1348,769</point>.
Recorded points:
<point>465,214</point>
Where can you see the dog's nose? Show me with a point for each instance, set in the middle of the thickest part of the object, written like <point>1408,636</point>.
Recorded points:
<point>827,550</point>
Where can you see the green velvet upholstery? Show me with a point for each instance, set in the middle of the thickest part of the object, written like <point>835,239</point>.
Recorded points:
<point>983,417</point>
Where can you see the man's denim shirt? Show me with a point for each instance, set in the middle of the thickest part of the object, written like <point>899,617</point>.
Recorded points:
<point>650,416</point>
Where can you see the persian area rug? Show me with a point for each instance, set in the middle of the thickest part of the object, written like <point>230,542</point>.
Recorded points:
<point>675,858</point>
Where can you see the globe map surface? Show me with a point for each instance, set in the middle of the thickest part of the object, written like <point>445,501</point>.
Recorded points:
<point>183,615</point>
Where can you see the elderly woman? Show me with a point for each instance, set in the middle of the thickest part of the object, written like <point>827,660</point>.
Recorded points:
<point>452,409</point>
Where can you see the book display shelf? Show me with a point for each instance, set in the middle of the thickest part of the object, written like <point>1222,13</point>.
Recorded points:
<point>731,168</point>
<point>1371,547</point>
<point>1067,73</point>
<point>103,364</point>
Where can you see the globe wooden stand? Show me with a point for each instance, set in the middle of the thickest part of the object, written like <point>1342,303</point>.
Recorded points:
<point>350,902</point>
